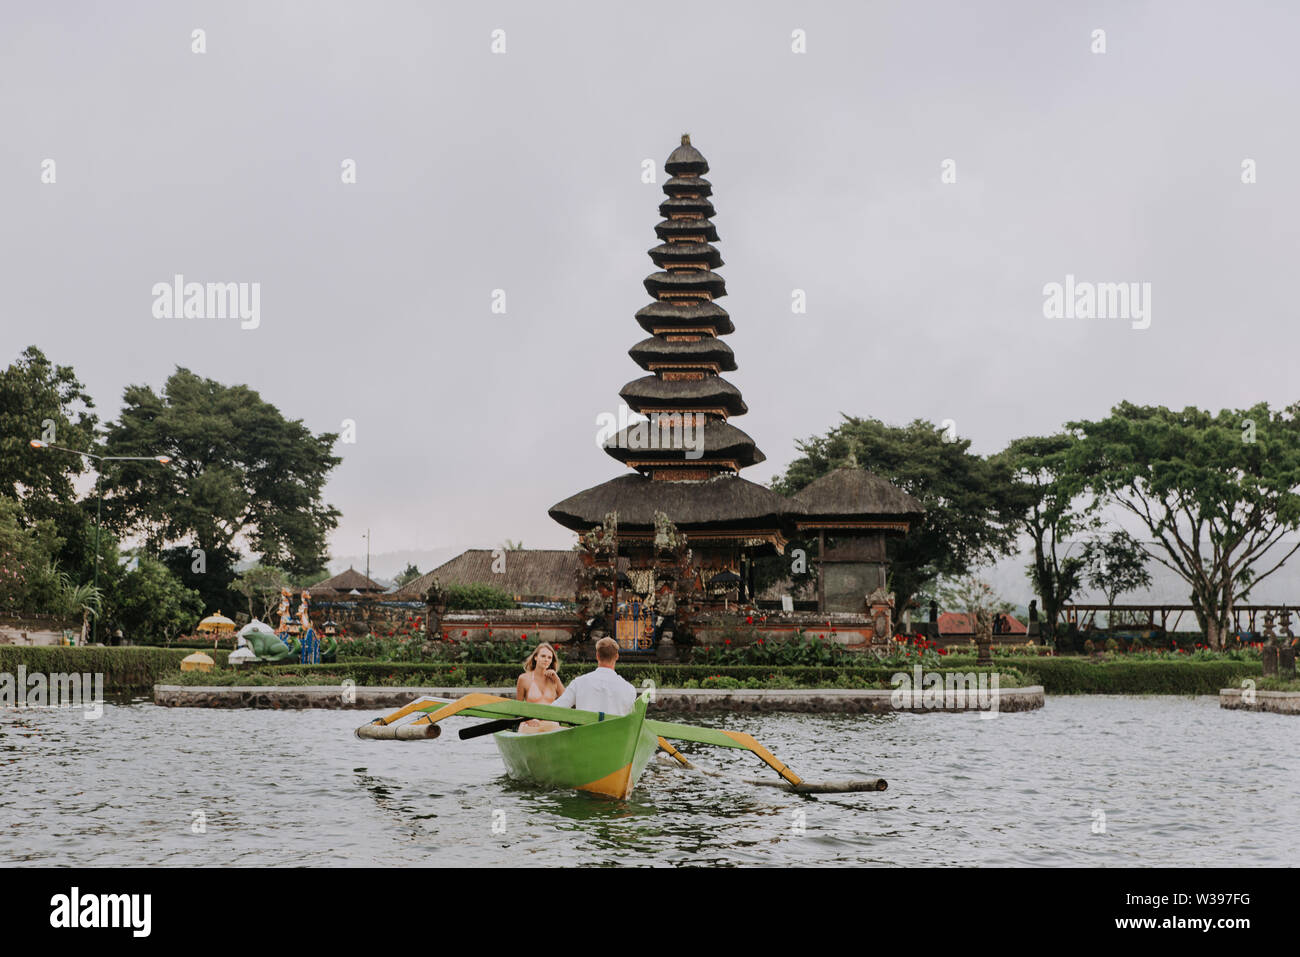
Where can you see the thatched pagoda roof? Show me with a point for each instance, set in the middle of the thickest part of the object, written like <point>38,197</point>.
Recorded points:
<point>678,281</point>
<point>724,501</point>
<point>721,441</point>
<point>665,315</point>
<point>693,205</point>
<point>686,159</point>
<point>653,392</point>
<point>669,254</point>
<point>660,350</point>
<point>850,493</point>
<point>671,228</point>
<point>681,185</point>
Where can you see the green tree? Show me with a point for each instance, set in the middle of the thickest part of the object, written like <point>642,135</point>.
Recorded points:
<point>475,596</point>
<point>1217,492</point>
<point>260,586</point>
<point>1058,506</point>
<point>39,400</point>
<point>972,504</point>
<point>150,604</point>
<point>240,472</point>
<point>28,574</point>
<point>1116,564</point>
<point>409,574</point>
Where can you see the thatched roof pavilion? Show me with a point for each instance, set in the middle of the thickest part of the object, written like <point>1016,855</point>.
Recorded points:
<point>347,582</point>
<point>853,498</point>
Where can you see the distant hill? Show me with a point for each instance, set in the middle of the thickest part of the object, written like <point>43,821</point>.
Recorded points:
<point>1010,582</point>
<point>386,566</point>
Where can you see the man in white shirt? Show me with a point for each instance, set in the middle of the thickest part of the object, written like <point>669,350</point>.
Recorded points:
<point>602,689</point>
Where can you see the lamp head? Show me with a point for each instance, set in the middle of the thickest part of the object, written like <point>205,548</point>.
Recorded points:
<point>37,444</point>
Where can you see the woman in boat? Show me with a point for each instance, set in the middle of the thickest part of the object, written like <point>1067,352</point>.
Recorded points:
<point>540,683</point>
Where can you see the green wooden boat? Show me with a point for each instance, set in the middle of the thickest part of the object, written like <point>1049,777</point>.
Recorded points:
<point>603,757</point>
<point>595,752</point>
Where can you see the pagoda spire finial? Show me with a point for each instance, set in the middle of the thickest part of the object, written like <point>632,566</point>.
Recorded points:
<point>686,139</point>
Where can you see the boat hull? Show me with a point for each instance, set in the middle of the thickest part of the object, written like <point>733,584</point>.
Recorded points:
<point>606,757</point>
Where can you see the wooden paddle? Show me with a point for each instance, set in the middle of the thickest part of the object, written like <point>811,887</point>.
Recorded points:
<point>490,727</point>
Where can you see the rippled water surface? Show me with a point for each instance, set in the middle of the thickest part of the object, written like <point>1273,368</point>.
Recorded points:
<point>1180,782</point>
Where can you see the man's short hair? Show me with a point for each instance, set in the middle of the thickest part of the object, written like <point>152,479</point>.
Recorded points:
<point>606,649</point>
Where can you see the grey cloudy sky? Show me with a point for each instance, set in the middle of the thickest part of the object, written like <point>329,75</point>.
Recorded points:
<point>522,172</point>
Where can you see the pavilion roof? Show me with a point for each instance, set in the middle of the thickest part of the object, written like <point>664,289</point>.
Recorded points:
<point>849,493</point>
<point>717,502</point>
<point>347,581</point>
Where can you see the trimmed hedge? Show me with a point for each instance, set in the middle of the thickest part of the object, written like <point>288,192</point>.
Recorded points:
<point>1084,676</point>
<point>124,669</point>
<point>665,676</point>
<point>1056,675</point>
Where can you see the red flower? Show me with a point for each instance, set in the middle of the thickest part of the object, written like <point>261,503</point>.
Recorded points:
<point>749,619</point>
<point>760,641</point>
<point>464,633</point>
<point>727,642</point>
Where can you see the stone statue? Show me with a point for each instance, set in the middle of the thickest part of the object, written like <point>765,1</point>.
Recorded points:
<point>666,534</point>
<point>880,606</point>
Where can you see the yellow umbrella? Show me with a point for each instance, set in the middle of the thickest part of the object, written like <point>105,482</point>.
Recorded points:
<point>197,662</point>
<point>217,622</point>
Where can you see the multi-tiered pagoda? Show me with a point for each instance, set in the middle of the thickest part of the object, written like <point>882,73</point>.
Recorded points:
<point>686,460</point>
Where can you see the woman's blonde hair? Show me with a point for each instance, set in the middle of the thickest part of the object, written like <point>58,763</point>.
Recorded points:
<point>530,662</point>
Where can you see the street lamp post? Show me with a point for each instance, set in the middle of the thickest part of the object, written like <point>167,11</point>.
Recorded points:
<point>99,505</point>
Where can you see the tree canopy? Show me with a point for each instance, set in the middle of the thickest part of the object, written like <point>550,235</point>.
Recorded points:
<point>1216,491</point>
<point>40,400</point>
<point>1057,505</point>
<point>239,471</point>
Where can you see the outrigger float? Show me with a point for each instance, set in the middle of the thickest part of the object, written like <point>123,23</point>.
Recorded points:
<point>596,752</point>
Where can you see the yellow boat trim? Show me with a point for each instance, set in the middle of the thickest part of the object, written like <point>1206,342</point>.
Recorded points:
<point>673,752</point>
<point>616,785</point>
<point>748,742</point>
<point>446,711</point>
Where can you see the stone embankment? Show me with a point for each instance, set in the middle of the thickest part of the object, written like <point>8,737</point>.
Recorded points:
<point>809,700</point>
<point>1248,699</point>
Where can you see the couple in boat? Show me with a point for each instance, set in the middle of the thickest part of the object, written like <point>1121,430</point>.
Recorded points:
<point>599,690</point>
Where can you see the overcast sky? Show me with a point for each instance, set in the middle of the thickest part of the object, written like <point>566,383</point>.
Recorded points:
<point>522,172</point>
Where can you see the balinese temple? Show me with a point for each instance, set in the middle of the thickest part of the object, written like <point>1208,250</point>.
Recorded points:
<point>696,483</point>
<point>726,519</point>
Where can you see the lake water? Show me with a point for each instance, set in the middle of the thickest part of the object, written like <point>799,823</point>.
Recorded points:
<point>1179,781</point>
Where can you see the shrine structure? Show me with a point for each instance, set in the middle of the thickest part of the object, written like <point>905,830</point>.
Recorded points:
<point>689,527</point>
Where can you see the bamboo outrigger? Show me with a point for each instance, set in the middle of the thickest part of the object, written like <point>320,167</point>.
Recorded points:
<point>595,752</point>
